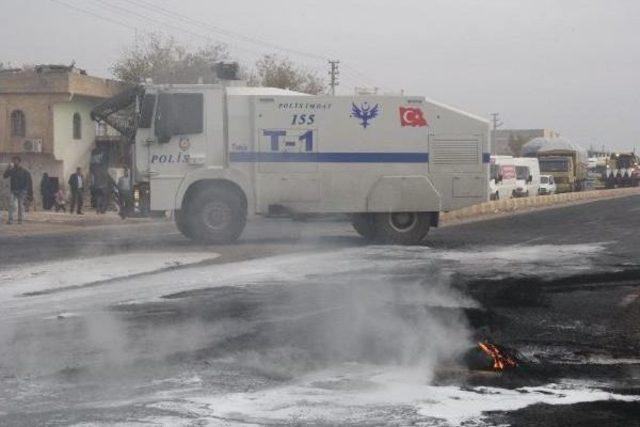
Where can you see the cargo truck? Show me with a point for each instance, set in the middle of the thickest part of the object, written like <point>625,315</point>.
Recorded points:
<point>568,168</point>
<point>217,155</point>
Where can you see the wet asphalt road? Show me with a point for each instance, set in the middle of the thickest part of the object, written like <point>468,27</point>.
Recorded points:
<point>329,314</point>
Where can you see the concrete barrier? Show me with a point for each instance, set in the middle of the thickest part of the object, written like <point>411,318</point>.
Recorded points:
<point>501,207</point>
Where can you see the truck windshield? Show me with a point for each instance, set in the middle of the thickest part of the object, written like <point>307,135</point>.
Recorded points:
<point>554,165</point>
<point>522,172</point>
<point>544,180</point>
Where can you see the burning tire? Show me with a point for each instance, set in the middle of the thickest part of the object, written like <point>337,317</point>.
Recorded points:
<point>364,224</point>
<point>215,215</point>
<point>402,228</point>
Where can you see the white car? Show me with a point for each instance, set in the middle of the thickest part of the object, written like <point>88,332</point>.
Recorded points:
<point>547,185</point>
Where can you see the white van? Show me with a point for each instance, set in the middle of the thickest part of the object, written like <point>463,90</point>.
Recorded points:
<point>527,176</point>
<point>502,181</point>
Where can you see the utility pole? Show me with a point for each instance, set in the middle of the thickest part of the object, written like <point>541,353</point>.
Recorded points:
<point>333,74</point>
<point>495,118</point>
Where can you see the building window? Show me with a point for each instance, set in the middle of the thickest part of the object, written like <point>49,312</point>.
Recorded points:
<point>77,126</point>
<point>18,123</point>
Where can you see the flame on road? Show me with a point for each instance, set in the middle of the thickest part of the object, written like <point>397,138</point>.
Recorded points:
<point>501,358</point>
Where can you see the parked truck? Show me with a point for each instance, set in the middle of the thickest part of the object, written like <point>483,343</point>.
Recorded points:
<point>502,177</point>
<point>565,161</point>
<point>527,177</point>
<point>566,167</point>
<point>217,155</point>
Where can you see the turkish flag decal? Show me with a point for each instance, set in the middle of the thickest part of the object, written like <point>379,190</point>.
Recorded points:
<point>412,116</point>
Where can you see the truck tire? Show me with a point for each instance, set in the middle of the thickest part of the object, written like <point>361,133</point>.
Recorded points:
<point>216,215</point>
<point>181,219</point>
<point>364,224</point>
<point>402,228</point>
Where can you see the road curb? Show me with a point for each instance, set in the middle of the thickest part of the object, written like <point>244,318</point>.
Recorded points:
<point>498,208</point>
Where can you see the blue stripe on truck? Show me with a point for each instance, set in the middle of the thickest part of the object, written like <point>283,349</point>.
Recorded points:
<point>283,157</point>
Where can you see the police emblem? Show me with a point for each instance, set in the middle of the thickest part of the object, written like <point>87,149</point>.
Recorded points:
<point>365,113</point>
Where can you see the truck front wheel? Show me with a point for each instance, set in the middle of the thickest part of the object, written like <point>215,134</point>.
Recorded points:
<point>181,218</point>
<point>216,215</point>
<point>364,224</point>
<point>402,228</point>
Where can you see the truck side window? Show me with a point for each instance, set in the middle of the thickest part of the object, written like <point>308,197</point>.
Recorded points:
<point>146,111</point>
<point>188,109</point>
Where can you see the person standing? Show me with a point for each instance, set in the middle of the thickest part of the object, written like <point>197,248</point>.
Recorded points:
<point>124,191</point>
<point>46,192</point>
<point>20,180</point>
<point>102,183</point>
<point>76,184</point>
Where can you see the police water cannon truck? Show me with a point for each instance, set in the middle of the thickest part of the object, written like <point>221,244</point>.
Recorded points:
<point>219,154</point>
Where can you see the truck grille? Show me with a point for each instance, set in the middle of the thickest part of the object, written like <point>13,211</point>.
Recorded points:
<point>453,151</point>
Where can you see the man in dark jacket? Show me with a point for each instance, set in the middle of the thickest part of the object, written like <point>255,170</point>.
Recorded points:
<point>20,181</point>
<point>77,186</point>
<point>47,192</point>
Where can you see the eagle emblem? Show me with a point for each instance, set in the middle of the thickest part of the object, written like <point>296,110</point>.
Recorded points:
<point>365,113</point>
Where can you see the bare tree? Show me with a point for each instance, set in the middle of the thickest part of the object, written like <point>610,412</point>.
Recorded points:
<point>164,60</point>
<point>274,71</point>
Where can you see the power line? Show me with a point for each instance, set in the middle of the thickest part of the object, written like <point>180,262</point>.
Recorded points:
<point>95,15</point>
<point>146,5</point>
<point>216,29</point>
<point>146,18</point>
<point>176,16</point>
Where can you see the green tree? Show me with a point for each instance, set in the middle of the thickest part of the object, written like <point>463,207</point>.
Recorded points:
<point>164,60</point>
<point>275,71</point>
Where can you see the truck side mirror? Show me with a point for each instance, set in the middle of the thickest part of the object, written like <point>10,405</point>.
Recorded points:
<point>530,179</point>
<point>164,121</point>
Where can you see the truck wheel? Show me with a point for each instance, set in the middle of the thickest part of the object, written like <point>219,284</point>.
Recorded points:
<point>402,228</point>
<point>364,224</point>
<point>181,219</point>
<point>216,215</point>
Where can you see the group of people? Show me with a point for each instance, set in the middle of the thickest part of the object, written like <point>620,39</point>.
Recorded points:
<point>102,189</point>
<point>101,186</point>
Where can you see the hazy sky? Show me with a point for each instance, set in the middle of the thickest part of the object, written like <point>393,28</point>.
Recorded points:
<point>569,65</point>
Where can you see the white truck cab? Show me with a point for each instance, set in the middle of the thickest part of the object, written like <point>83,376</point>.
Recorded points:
<point>527,176</point>
<point>547,185</point>
<point>502,183</point>
<point>217,155</point>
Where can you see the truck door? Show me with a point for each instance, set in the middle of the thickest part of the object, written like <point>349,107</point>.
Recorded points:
<point>188,131</point>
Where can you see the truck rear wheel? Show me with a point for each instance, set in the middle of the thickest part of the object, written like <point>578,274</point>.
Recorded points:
<point>402,228</point>
<point>215,215</point>
<point>364,224</point>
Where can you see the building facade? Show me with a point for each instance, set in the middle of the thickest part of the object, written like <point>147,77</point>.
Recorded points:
<point>509,142</point>
<point>45,119</point>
